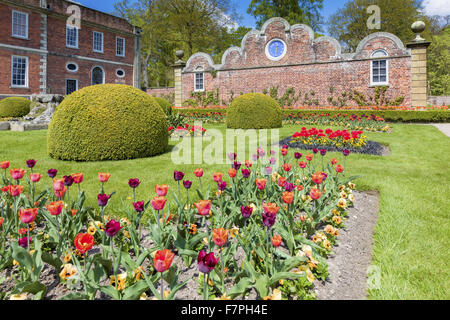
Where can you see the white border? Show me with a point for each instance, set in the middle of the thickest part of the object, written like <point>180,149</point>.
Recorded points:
<point>78,36</point>
<point>124,73</point>
<point>93,42</point>
<point>71,62</point>
<point>26,72</point>
<point>104,74</point>
<point>12,25</point>
<point>268,53</point>
<point>76,81</point>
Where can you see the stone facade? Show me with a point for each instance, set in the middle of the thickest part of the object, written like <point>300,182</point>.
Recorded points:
<point>313,66</point>
<point>48,54</point>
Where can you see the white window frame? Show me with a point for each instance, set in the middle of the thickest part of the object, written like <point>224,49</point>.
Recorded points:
<point>93,41</point>
<point>123,47</point>
<point>379,58</point>
<point>76,39</point>
<point>73,71</point>
<point>26,72</point>
<point>104,75</point>
<point>26,25</point>
<point>76,81</point>
<point>199,71</point>
<point>124,73</point>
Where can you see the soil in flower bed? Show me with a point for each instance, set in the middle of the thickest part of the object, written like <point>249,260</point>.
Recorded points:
<point>371,147</point>
<point>352,256</point>
<point>347,266</point>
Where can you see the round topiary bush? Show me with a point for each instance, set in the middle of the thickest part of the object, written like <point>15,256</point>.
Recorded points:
<point>107,122</point>
<point>166,105</point>
<point>254,111</point>
<point>14,107</point>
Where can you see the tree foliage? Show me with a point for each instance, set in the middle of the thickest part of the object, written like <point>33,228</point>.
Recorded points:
<point>438,63</point>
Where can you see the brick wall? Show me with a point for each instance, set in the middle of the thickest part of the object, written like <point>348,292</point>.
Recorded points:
<point>160,92</point>
<point>309,66</point>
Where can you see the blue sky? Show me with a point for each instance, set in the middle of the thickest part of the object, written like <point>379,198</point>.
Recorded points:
<point>330,7</point>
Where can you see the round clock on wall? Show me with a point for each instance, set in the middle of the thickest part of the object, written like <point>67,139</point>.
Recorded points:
<point>276,49</point>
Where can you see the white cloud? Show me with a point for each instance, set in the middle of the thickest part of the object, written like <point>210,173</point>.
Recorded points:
<point>436,7</point>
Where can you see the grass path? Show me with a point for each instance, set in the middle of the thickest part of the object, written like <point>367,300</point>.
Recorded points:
<point>411,244</point>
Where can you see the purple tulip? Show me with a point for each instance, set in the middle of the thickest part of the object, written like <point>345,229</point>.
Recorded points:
<point>206,262</point>
<point>255,157</point>
<point>273,160</point>
<point>269,170</point>
<point>246,173</point>
<point>187,184</point>
<point>315,150</point>
<point>237,165</point>
<point>23,242</point>
<point>222,185</point>
<point>232,156</point>
<point>139,206</point>
<point>31,163</point>
<point>346,153</point>
<point>323,152</point>
<point>103,199</point>
<point>261,152</point>
<point>246,211</point>
<point>134,183</point>
<point>289,187</point>
<point>285,146</point>
<point>68,181</point>
<point>269,219</point>
<point>273,152</point>
<point>298,155</point>
<point>52,173</point>
<point>112,228</point>
<point>178,175</point>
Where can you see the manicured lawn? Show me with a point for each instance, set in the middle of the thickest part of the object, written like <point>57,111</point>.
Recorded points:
<point>411,244</point>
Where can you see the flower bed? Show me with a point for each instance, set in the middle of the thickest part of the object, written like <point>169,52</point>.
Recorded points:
<point>323,138</point>
<point>266,228</point>
<point>186,131</point>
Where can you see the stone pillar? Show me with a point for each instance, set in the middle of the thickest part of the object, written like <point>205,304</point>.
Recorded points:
<point>137,58</point>
<point>178,68</point>
<point>419,86</point>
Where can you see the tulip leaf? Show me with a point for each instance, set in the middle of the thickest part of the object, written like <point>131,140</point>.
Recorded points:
<point>110,291</point>
<point>135,291</point>
<point>176,289</point>
<point>171,276</point>
<point>105,263</point>
<point>293,263</point>
<point>239,289</point>
<point>36,288</point>
<point>262,286</point>
<point>75,296</point>
<point>282,276</point>
<point>22,256</point>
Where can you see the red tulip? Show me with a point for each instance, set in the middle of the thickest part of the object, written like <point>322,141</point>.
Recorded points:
<point>261,183</point>
<point>4,165</point>
<point>84,242</point>
<point>315,194</point>
<point>302,164</point>
<point>317,178</point>
<point>17,174</point>
<point>309,157</point>
<point>1,222</point>
<point>161,190</point>
<point>58,185</point>
<point>27,216</point>
<point>288,197</point>
<point>220,236</point>
<point>158,203</point>
<point>77,178</point>
<point>198,173</point>
<point>103,177</point>
<point>206,262</point>
<point>276,241</point>
<point>163,260</point>
<point>217,176</point>
<point>55,208</point>
<point>35,177</point>
<point>339,168</point>
<point>287,167</point>
<point>15,190</point>
<point>203,207</point>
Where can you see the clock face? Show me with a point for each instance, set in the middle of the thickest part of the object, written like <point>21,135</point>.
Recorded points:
<point>276,49</point>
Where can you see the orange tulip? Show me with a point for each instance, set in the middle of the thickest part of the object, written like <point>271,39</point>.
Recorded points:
<point>287,167</point>
<point>198,173</point>
<point>74,212</point>
<point>58,185</point>
<point>162,260</point>
<point>232,172</point>
<point>282,181</point>
<point>203,207</point>
<point>1,222</point>
<point>17,174</point>
<point>271,208</point>
<point>261,183</point>
<point>317,178</point>
<point>309,157</point>
<point>158,203</point>
<point>15,190</point>
<point>315,194</point>
<point>60,194</point>
<point>4,165</point>
<point>276,241</point>
<point>55,208</point>
<point>220,236</point>
<point>248,163</point>
<point>334,161</point>
<point>339,168</point>
<point>217,176</point>
<point>103,177</point>
<point>288,197</point>
<point>161,190</point>
<point>77,178</point>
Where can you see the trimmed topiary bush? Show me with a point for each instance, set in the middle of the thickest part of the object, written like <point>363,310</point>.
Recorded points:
<point>166,105</point>
<point>254,111</point>
<point>14,107</point>
<point>107,122</point>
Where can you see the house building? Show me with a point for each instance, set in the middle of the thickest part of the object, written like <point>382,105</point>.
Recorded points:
<point>59,46</point>
<point>312,71</point>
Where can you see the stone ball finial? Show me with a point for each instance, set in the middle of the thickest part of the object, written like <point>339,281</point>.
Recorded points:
<point>179,54</point>
<point>418,27</point>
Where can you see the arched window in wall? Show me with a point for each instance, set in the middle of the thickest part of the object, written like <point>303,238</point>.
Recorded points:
<point>199,82</point>
<point>379,68</point>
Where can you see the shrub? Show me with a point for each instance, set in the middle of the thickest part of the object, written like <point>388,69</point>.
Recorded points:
<point>254,111</point>
<point>166,105</point>
<point>107,122</point>
<point>14,107</point>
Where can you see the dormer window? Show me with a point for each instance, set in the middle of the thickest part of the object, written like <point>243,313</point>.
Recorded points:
<point>379,71</point>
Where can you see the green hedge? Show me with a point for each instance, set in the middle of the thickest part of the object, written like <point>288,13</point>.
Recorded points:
<point>166,105</point>
<point>388,115</point>
<point>107,122</point>
<point>14,107</point>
